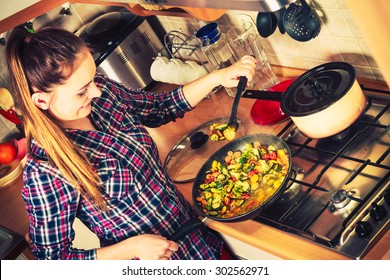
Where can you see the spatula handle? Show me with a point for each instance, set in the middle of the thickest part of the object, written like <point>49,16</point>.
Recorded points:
<point>240,89</point>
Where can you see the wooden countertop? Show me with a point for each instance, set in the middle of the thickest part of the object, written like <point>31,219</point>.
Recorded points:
<point>268,239</point>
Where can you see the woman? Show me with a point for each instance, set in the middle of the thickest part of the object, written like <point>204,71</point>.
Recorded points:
<point>90,156</point>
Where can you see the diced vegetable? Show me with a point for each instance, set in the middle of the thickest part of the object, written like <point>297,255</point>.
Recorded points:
<point>221,126</point>
<point>220,132</point>
<point>245,180</point>
<point>229,133</point>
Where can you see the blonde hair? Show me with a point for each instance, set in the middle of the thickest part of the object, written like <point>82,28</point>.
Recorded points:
<point>42,61</point>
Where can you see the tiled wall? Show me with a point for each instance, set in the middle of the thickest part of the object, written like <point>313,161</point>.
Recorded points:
<point>339,39</point>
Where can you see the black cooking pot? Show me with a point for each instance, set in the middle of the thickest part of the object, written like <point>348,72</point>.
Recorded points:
<point>239,145</point>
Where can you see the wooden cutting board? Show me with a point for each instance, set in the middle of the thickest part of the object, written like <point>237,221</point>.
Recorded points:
<point>6,99</point>
<point>9,172</point>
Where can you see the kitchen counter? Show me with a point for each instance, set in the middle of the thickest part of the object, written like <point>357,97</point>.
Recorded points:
<point>263,237</point>
<point>267,239</point>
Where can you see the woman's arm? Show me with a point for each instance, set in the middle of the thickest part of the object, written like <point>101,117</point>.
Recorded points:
<point>227,77</point>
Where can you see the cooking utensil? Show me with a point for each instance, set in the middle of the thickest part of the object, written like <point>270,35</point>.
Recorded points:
<point>191,151</point>
<point>235,145</point>
<point>266,24</point>
<point>322,101</point>
<point>279,18</point>
<point>233,124</point>
<point>11,115</point>
<point>301,22</point>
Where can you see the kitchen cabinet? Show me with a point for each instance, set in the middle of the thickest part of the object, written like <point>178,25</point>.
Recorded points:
<point>199,13</point>
<point>25,11</point>
<point>9,8</point>
<point>373,19</point>
<point>162,10</point>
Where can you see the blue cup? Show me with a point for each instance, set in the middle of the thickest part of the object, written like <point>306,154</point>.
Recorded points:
<point>209,34</point>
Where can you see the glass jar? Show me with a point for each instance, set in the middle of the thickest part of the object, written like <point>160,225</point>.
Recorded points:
<point>215,47</point>
<point>244,41</point>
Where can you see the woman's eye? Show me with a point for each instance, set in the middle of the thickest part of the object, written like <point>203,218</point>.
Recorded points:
<point>81,94</point>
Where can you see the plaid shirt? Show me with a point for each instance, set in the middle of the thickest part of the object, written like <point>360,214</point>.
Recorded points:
<point>141,197</point>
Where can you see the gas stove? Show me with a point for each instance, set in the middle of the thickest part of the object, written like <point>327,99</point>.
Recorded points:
<point>339,192</point>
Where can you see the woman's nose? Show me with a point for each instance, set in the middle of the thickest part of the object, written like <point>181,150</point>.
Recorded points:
<point>95,91</point>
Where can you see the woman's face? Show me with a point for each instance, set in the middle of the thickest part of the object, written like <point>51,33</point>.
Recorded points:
<point>72,100</point>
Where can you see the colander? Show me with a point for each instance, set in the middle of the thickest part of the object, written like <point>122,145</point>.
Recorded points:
<point>301,22</point>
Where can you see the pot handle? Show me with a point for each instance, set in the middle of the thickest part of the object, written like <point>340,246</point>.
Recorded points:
<point>263,94</point>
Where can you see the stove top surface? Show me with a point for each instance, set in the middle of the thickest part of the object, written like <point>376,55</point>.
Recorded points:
<point>339,190</point>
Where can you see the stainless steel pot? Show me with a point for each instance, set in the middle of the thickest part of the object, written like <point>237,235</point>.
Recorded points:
<point>323,101</point>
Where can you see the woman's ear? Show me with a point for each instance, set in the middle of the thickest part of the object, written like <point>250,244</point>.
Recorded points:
<point>41,100</point>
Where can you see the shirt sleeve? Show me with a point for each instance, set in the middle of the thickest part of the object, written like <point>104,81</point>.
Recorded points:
<point>51,208</point>
<point>153,109</point>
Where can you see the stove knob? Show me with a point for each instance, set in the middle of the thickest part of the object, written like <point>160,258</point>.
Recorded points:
<point>363,228</point>
<point>378,212</point>
<point>387,196</point>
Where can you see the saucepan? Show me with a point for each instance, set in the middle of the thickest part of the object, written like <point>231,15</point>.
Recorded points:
<point>322,101</point>
<point>236,187</point>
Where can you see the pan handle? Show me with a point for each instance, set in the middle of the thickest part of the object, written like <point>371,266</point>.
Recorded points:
<point>189,226</point>
<point>263,94</point>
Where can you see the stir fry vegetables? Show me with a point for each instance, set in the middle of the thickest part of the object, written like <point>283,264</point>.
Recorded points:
<point>243,181</point>
<point>219,132</point>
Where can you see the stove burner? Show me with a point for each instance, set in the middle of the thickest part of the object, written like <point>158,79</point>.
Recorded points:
<point>293,188</point>
<point>335,143</point>
<point>340,199</point>
<point>342,202</point>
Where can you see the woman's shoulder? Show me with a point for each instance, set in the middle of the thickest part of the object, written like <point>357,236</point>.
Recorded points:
<point>38,164</point>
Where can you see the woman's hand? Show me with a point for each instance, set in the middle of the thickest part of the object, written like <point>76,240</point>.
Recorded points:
<point>143,247</point>
<point>227,77</point>
<point>153,247</point>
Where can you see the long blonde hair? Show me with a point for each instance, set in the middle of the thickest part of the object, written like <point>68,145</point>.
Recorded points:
<point>43,60</point>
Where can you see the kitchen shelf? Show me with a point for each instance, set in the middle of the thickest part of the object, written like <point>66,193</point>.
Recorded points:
<point>202,14</point>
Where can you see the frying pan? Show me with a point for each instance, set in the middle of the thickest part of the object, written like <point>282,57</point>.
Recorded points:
<point>322,101</point>
<point>235,145</point>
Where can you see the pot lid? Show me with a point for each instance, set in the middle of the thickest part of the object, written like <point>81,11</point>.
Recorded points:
<point>189,154</point>
<point>108,30</point>
<point>318,88</point>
